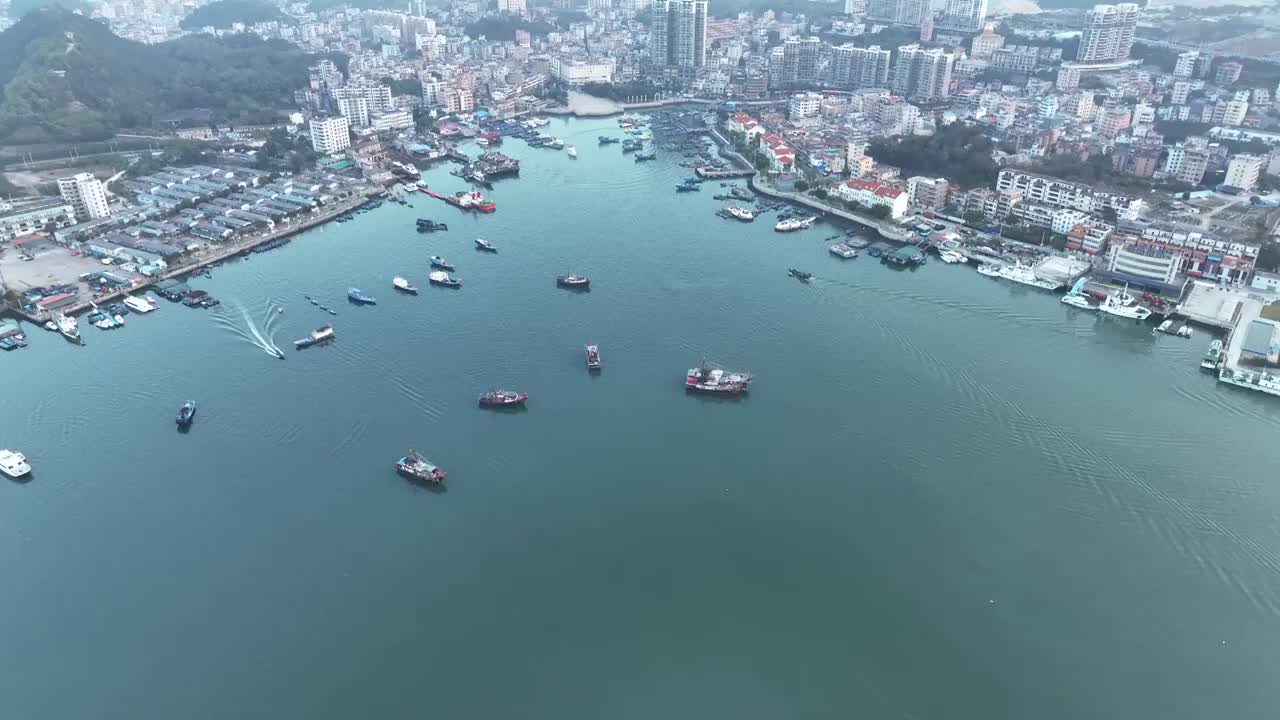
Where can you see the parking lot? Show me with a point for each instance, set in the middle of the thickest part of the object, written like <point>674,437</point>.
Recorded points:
<point>50,264</point>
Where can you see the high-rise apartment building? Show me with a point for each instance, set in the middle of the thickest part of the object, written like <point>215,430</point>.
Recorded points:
<point>1243,171</point>
<point>1228,73</point>
<point>86,195</point>
<point>963,15</point>
<point>922,74</point>
<point>855,7</point>
<point>986,43</point>
<point>856,68</point>
<point>678,37</point>
<point>330,135</point>
<point>515,7</point>
<point>1186,65</point>
<point>361,102</point>
<point>1108,33</point>
<point>800,60</point>
<point>899,12</point>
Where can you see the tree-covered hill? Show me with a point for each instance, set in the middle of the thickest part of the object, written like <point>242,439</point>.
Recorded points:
<point>225,13</point>
<point>66,77</point>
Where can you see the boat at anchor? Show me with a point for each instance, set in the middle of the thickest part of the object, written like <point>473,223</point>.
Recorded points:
<point>594,363</point>
<point>403,285</point>
<point>716,381</point>
<point>498,398</point>
<point>417,467</point>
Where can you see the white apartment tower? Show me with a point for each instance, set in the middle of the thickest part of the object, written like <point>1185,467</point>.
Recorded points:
<point>678,37</point>
<point>856,68</point>
<point>1108,33</point>
<point>922,74</point>
<point>1243,171</point>
<point>963,15</point>
<point>330,135</point>
<point>86,196</point>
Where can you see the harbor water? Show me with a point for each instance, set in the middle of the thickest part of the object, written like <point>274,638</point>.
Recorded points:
<point>945,496</point>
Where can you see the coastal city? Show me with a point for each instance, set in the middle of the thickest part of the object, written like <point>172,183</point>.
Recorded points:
<point>1080,150</point>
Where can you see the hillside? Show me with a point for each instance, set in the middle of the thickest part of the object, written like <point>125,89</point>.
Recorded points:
<point>66,77</point>
<point>225,13</point>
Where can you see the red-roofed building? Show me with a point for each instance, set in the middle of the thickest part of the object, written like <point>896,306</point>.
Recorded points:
<point>871,194</point>
<point>781,156</point>
<point>746,124</point>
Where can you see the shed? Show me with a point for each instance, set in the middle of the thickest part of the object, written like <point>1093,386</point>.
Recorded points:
<point>1258,341</point>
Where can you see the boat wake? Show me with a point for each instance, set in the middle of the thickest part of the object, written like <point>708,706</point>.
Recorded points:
<point>262,337</point>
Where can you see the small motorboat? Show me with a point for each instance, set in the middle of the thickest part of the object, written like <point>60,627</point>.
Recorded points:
<point>187,414</point>
<point>417,467</point>
<point>594,363</point>
<point>497,398</point>
<point>403,285</point>
<point>357,296</point>
<point>572,152</point>
<point>574,281</point>
<point>800,275</point>
<point>439,262</point>
<point>14,464</point>
<point>485,245</point>
<point>442,279</point>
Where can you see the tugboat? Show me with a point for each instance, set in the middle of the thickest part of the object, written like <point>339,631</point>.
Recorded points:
<point>439,262</point>
<point>321,334</point>
<point>800,275</point>
<point>186,414</point>
<point>358,297</point>
<point>442,279</point>
<point>485,245</point>
<point>403,285</point>
<point>68,326</point>
<point>14,464</point>
<point>497,398</point>
<point>574,282</point>
<point>416,467</point>
<point>716,381</point>
<point>594,363</point>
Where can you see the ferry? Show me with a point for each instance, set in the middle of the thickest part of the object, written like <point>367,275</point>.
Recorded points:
<point>186,414</point>
<point>357,296</point>
<point>497,398</point>
<point>137,304</point>
<point>485,245</point>
<point>68,326</point>
<point>403,285</point>
<point>593,357</point>
<point>442,279</point>
<point>416,467</point>
<point>794,224</point>
<point>1124,305</point>
<point>841,250</point>
<point>1211,358</point>
<point>574,282</point>
<point>319,335</point>
<point>715,381</point>
<point>740,213</point>
<point>14,464</point>
<point>439,262</point>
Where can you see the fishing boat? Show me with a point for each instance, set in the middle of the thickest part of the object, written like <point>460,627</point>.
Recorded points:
<point>716,381</point>
<point>441,278</point>
<point>1123,305</point>
<point>1211,358</point>
<point>574,281</point>
<point>645,157</point>
<point>186,414</point>
<point>439,262</point>
<point>485,245</point>
<point>358,297</point>
<point>607,140</point>
<point>14,464</point>
<point>989,269</point>
<point>417,467</point>
<point>794,224</point>
<point>498,398</point>
<point>684,187</point>
<point>594,363</point>
<point>841,250</point>
<point>800,275</point>
<point>321,334</point>
<point>68,326</point>
<point>403,285</point>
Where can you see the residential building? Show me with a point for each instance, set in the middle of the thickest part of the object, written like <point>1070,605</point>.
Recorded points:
<point>393,120</point>
<point>926,192</point>
<point>1108,33</point>
<point>871,195</point>
<point>87,196</point>
<point>803,105</point>
<point>1205,255</point>
<point>1016,58</point>
<point>330,135</point>
<point>856,68</point>
<point>678,36</point>
<point>962,15</point>
<point>1234,113</point>
<point>1243,171</point>
<point>921,74</point>
<point>855,7</point>
<point>514,7</point>
<point>985,43</point>
<point>1186,65</point>
<point>1047,108</point>
<point>580,72</point>
<point>1227,74</point>
<point>1060,193</point>
<point>1178,94</point>
<point>1111,120</point>
<point>782,157</point>
<point>800,60</point>
<point>324,76</point>
<point>1186,165</point>
<point>355,108</point>
<point>21,219</point>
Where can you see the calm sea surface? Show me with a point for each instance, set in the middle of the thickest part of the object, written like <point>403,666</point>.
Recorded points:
<point>946,497</point>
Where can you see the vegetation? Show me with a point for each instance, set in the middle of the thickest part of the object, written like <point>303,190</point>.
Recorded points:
<point>285,151</point>
<point>225,13</point>
<point>1175,131</point>
<point>504,27</point>
<point>403,86</point>
<point>19,8</point>
<point>960,153</point>
<point>621,91</point>
<point>68,78</point>
<point>809,8</point>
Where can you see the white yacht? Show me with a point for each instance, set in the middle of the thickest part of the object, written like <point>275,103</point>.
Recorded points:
<point>137,304</point>
<point>1122,304</point>
<point>793,224</point>
<point>1078,301</point>
<point>14,464</point>
<point>843,251</point>
<point>68,326</point>
<point>1026,275</point>
<point>1210,361</point>
<point>572,151</point>
<point>952,256</point>
<point>990,269</point>
<point>740,213</point>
